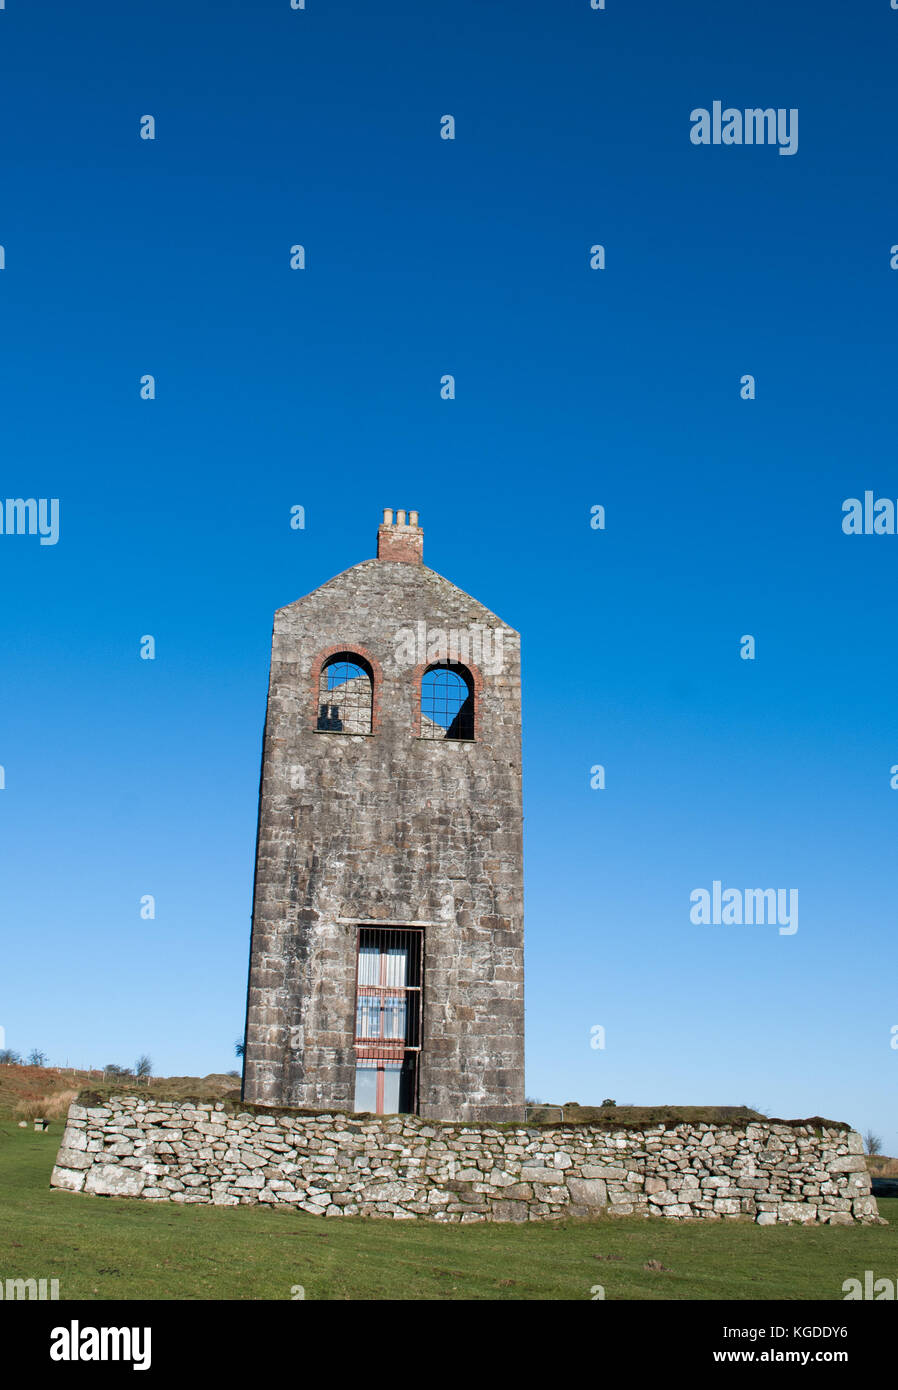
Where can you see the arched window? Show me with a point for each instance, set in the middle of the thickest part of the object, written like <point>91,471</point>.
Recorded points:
<point>345,689</point>
<point>447,701</point>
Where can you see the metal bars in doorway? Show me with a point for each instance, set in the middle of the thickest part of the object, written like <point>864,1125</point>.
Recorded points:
<point>388,1016</point>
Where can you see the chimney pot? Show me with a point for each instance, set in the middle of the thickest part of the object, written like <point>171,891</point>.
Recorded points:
<point>400,542</point>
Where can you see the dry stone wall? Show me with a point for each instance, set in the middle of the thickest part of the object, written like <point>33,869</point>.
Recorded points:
<point>339,1164</point>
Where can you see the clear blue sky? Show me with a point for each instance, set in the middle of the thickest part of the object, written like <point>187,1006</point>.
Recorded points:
<point>575,387</point>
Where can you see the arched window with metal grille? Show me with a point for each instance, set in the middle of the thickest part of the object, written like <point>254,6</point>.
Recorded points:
<point>345,695</point>
<point>447,701</point>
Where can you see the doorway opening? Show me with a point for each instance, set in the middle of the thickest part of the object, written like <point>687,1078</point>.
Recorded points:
<point>388,1019</point>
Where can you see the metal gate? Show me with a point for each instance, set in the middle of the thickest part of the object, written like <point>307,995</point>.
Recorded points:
<point>388,1019</point>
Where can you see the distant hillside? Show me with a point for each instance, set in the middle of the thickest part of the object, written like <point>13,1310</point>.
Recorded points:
<point>215,1086</point>
<point>24,1087</point>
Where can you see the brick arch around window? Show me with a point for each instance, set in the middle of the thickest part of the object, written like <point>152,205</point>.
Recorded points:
<point>476,679</point>
<point>348,651</point>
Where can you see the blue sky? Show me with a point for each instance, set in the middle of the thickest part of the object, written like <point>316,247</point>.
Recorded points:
<point>574,387</point>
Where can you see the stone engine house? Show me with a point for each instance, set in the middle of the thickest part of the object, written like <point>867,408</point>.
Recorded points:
<point>386,964</point>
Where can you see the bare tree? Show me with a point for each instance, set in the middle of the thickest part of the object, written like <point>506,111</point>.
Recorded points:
<point>36,1058</point>
<point>143,1067</point>
<point>239,1048</point>
<point>872,1143</point>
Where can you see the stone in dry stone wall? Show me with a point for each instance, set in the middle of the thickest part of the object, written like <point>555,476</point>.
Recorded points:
<point>402,1166</point>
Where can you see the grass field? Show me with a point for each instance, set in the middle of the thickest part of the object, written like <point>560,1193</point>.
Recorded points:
<point>111,1248</point>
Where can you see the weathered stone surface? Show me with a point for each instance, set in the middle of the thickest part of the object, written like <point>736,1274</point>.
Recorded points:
<point>588,1192</point>
<point>542,1193</point>
<point>510,1211</point>
<point>74,1137</point>
<point>109,1180</point>
<point>389,1192</point>
<point>727,1206</point>
<point>663,1198</point>
<point>798,1211</point>
<point>74,1158</point>
<point>69,1179</point>
<point>360,827</point>
<point>121,1148</point>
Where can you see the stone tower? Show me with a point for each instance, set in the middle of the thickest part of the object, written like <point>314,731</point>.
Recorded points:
<point>386,965</point>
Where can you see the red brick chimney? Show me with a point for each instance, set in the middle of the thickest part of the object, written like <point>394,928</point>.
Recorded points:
<point>400,540</point>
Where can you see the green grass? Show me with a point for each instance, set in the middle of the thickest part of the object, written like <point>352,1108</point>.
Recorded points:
<point>110,1248</point>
